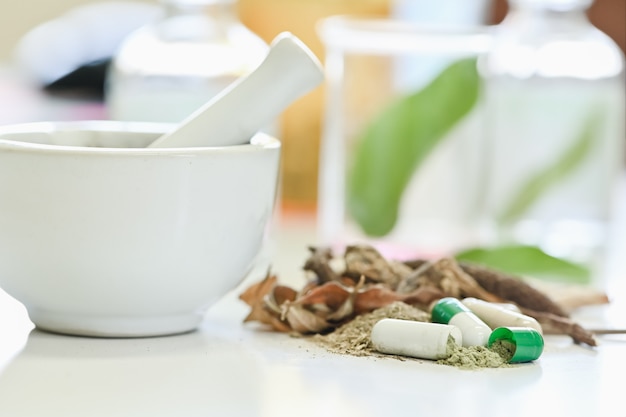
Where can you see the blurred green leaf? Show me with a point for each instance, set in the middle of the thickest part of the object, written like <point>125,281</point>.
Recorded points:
<point>527,261</point>
<point>550,176</point>
<point>394,145</point>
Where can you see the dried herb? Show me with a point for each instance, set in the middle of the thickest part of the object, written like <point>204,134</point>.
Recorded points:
<point>368,262</point>
<point>447,275</point>
<point>513,289</point>
<point>319,263</point>
<point>319,308</point>
<point>256,297</point>
<point>552,317</point>
<point>555,324</point>
<point>368,282</point>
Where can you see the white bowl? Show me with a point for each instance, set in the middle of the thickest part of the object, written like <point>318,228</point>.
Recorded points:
<point>100,236</point>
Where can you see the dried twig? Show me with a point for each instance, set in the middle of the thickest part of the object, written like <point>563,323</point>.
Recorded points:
<point>554,324</point>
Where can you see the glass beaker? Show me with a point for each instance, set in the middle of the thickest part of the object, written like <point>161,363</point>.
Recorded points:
<point>402,144</point>
<point>168,69</point>
<point>554,89</point>
<point>300,124</point>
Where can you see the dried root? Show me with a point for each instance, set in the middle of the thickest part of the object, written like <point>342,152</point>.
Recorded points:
<point>513,289</point>
<point>554,324</point>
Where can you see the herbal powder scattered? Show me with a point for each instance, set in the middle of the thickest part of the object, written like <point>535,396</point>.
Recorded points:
<point>353,338</point>
<point>474,357</point>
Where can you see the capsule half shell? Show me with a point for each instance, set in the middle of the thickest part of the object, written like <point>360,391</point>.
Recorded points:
<point>415,339</point>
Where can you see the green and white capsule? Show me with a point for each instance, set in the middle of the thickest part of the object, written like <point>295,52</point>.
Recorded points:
<point>495,315</point>
<point>414,338</point>
<point>451,311</point>
<point>526,343</point>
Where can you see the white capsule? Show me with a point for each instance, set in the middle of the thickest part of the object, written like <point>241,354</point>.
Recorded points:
<point>507,306</point>
<point>414,338</point>
<point>475,332</point>
<point>451,311</point>
<point>495,315</point>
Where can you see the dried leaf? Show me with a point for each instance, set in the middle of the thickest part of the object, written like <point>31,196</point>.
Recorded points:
<point>331,295</point>
<point>256,297</point>
<point>346,310</point>
<point>302,320</point>
<point>319,263</point>
<point>365,260</point>
<point>256,292</point>
<point>446,275</point>
<point>278,296</point>
<point>376,297</point>
<point>332,301</point>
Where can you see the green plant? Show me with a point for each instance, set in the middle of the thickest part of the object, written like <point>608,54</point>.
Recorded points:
<point>396,142</point>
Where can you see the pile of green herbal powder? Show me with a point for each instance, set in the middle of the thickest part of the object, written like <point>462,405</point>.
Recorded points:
<point>353,338</point>
<point>474,357</point>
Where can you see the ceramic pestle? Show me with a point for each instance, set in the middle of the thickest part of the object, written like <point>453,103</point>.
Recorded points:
<point>253,102</point>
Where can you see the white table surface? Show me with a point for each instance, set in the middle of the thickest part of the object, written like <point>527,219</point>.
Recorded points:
<point>230,369</point>
<point>226,368</point>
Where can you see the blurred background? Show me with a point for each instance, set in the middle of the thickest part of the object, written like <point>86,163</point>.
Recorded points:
<point>17,18</point>
<point>525,98</point>
<point>266,18</point>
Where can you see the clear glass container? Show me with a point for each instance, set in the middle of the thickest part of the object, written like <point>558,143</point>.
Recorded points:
<point>300,127</point>
<point>166,70</point>
<point>554,91</point>
<point>384,179</point>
